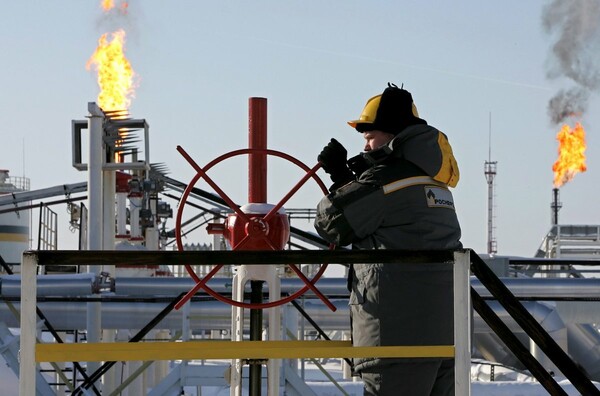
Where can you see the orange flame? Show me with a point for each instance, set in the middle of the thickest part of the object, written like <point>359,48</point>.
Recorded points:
<point>115,74</point>
<point>571,154</point>
<point>108,5</point>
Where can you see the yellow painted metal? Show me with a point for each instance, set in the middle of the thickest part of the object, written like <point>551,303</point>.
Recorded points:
<point>115,351</point>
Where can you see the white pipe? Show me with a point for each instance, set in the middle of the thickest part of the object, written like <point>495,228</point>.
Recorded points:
<point>346,368</point>
<point>237,331</point>
<point>152,235</point>
<point>205,315</point>
<point>151,239</point>
<point>290,320</point>
<point>95,184</point>
<point>27,367</point>
<point>95,216</point>
<point>136,387</point>
<point>135,205</point>
<point>161,367</point>
<point>544,313</point>
<point>108,225</point>
<point>110,377</point>
<point>274,331</point>
<point>553,324</point>
<point>546,288</point>
<point>462,324</point>
<point>122,368</point>
<point>121,214</point>
<point>214,315</point>
<point>582,312</point>
<point>59,389</point>
<point>173,286</point>
<point>50,285</point>
<point>584,346</point>
<point>148,374</point>
<point>540,288</point>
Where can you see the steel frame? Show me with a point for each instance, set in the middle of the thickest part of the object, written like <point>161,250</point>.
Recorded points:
<point>31,352</point>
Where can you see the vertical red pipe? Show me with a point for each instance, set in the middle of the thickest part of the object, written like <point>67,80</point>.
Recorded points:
<point>257,193</point>
<point>257,139</point>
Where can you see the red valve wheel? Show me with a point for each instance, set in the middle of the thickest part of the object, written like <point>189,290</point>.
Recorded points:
<point>201,173</point>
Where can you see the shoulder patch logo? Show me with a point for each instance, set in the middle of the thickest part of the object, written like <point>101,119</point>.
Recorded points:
<point>438,197</point>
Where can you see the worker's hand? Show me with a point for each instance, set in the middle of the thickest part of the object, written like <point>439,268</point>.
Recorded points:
<point>333,159</point>
<point>358,164</point>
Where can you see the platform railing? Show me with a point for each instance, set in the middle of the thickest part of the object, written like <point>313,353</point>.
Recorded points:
<point>32,353</point>
<point>532,328</point>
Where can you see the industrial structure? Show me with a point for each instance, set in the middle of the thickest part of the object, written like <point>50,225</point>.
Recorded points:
<point>126,285</point>
<point>489,171</point>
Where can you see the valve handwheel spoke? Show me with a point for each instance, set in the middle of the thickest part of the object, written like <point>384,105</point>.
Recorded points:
<point>202,173</point>
<point>200,284</point>
<point>312,287</point>
<point>293,191</point>
<point>252,232</point>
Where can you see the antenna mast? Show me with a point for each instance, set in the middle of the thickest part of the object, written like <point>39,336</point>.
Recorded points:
<point>490,173</point>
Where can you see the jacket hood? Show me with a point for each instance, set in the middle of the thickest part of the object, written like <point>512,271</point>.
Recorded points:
<point>427,148</point>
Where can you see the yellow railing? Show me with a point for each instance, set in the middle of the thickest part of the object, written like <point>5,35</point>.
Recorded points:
<point>32,353</point>
<point>191,350</point>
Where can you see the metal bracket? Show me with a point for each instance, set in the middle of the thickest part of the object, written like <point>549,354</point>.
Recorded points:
<point>77,126</point>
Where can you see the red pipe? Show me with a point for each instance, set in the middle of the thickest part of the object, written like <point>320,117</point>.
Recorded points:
<point>257,139</point>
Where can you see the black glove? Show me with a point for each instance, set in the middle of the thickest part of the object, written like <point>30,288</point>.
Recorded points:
<point>333,159</point>
<point>358,164</point>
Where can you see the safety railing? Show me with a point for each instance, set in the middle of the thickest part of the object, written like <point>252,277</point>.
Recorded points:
<point>532,328</point>
<point>32,353</point>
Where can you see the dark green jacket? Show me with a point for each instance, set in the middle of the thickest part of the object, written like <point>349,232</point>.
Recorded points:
<point>398,204</point>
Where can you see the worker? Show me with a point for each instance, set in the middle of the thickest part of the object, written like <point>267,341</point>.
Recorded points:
<point>395,195</point>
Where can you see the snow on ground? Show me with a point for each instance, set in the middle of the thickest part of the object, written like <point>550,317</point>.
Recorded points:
<point>512,383</point>
<point>503,388</point>
<point>512,388</point>
<point>525,386</point>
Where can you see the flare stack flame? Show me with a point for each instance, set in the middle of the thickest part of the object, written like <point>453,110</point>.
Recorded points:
<point>108,5</point>
<point>571,154</point>
<point>115,74</point>
<point>574,28</point>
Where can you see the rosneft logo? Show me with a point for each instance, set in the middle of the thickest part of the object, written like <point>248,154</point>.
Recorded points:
<point>438,197</point>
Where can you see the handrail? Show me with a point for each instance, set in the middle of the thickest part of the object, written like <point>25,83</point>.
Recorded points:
<point>206,350</point>
<point>246,257</point>
<point>460,350</point>
<point>515,345</point>
<point>498,290</point>
<point>57,337</point>
<point>533,329</point>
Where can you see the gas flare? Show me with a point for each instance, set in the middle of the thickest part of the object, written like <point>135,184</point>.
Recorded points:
<point>571,154</point>
<point>108,5</point>
<point>115,74</point>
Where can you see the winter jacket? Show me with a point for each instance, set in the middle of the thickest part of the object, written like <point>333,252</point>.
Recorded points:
<point>401,203</point>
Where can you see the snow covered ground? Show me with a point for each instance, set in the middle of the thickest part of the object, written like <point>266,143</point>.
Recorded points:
<point>508,383</point>
<point>522,385</point>
<point>499,388</point>
<point>10,387</point>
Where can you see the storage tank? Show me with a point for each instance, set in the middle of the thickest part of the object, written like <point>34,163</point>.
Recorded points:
<point>14,226</point>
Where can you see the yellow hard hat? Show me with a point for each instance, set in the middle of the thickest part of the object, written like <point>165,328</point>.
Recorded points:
<point>369,113</point>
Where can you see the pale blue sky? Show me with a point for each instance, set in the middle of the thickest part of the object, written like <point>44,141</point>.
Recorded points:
<point>317,62</point>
